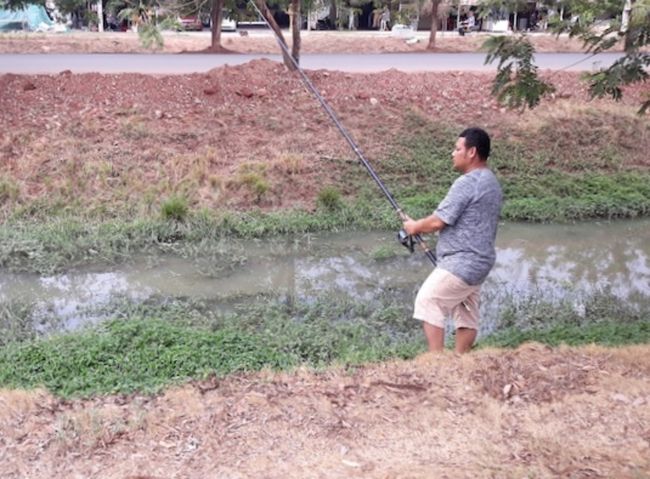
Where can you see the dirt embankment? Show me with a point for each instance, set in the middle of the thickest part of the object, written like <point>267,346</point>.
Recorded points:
<point>533,412</point>
<point>122,138</point>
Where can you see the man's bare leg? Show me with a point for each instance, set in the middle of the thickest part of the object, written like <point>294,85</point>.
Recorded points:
<point>464,339</point>
<point>435,337</point>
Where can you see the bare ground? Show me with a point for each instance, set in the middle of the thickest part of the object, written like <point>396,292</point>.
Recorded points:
<point>260,41</point>
<point>533,412</point>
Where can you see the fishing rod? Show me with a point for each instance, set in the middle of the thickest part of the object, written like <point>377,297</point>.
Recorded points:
<point>403,237</point>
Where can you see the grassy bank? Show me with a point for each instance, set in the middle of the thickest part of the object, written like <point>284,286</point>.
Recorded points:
<point>579,165</point>
<point>66,241</point>
<point>147,347</point>
<point>46,244</point>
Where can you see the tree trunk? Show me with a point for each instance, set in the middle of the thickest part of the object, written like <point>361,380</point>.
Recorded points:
<point>434,24</point>
<point>295,30</point>
<point>100,16</point>
<point>216,15</point>
<point>625,19</point>
<point>333,12</point>
<point>261,4</point>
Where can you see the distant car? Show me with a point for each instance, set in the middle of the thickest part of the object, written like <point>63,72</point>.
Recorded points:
<point>191,23</point>
<point>197,22</point>
<point>228,24</point>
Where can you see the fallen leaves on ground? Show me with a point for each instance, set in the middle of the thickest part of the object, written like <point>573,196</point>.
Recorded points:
<point>580,412</point>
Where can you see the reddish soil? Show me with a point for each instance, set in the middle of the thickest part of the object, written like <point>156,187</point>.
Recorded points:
<point>122,138</point>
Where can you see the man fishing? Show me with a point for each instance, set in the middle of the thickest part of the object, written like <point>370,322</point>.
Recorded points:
<point>466,221</point>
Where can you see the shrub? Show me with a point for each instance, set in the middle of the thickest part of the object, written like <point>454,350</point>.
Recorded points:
<point>329,198</point>
<point>175,208</point>
<point>8,191</point>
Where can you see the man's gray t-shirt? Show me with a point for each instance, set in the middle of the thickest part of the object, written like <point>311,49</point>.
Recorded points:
<point>471,211</point>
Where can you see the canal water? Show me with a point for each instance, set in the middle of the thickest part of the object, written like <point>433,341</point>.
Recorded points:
<point>547,262</point>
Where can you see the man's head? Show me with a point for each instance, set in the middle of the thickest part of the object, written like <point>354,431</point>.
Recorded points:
<point>472,149</point>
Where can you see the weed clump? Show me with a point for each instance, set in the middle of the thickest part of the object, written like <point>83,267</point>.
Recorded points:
<point>252,177</point>
<point>255,183</point>
<point>175,208</point>
<point>9,191</point>
<point>329,198</point>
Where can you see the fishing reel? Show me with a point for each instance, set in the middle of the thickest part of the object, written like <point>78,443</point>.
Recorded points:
<point>406,240</point>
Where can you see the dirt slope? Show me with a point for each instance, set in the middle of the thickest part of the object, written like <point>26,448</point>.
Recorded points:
<point>129,137</point>
<point>533,412</point>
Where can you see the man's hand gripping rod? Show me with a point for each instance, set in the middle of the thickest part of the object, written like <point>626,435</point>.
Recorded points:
<point>403,237</point>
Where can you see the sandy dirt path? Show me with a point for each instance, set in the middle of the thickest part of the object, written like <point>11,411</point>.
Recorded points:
<point>261,42</point>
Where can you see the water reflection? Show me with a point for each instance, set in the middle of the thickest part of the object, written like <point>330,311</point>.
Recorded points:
<point>583,257</point>
<point>548,260</point>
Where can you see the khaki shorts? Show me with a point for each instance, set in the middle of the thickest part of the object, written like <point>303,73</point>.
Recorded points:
<point>442,295</point>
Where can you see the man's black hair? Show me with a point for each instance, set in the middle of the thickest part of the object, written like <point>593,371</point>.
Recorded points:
<point>477,137</point>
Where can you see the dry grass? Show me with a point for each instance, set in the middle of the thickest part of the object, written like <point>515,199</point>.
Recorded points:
<point>606,135</point>
<point>570,412</point>
<point>290,164</point>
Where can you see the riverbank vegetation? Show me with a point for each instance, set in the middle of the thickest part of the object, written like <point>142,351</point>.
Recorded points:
<point>587,172</point>
<point>249,138</point>
<point>148,346</point>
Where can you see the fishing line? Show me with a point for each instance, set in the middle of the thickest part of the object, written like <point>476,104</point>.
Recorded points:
<point>407,240</point>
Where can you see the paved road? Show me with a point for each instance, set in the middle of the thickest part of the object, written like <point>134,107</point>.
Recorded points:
<point>195,63</point>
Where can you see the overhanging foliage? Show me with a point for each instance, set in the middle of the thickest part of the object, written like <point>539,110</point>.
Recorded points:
<point>600,25</point>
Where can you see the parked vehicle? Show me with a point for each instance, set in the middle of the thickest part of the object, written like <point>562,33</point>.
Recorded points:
<point>228,23</point>
<point>191,23</point>
<point>197,22</point>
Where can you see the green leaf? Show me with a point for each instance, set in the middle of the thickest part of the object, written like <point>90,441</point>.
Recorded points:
<point>516,84</point>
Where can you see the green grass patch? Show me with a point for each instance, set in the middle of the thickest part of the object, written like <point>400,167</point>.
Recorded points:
<point>122,356</point>
<point>600,318</point>
<point>329,198</point>
<point>146,347</point>
<point>607,333</point>
<point>175,208</point>
<point>148,353</point>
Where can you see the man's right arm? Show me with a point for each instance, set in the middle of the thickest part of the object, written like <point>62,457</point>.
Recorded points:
<point>425,225</point>
<point>450,209</point>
